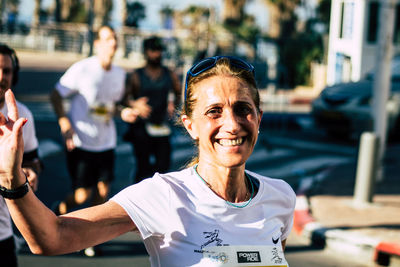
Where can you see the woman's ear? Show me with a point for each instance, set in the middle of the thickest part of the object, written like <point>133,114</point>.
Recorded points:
<point>260,117</point>
<point>190,127</point>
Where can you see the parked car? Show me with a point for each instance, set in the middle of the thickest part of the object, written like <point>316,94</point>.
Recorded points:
<point>344,110</point>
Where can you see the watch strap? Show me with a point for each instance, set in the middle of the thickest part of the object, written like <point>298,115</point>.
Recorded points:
<point>16,193</point>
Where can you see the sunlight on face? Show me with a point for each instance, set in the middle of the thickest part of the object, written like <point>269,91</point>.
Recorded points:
<point>107,42</point>
<point>225,121</point>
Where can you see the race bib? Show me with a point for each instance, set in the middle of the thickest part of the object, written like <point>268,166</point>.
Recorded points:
<point>158,130</point>
<point>238,256</point>
<point>101,112</point>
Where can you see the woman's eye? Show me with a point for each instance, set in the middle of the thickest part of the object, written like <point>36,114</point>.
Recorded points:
<point>242,110</point>
<point>214,112</point>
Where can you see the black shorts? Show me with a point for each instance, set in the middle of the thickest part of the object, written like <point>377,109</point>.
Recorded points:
<point>7,253</point>
<point>87,168</point>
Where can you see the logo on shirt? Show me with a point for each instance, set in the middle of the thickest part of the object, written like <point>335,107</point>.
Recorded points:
<point>276,258</point>
<point>275,238</point>
<point>220,257</point>
<point>248,256</point>
<point>211,237</point>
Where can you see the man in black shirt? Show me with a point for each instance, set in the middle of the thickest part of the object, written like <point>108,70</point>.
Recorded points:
<point>150,136</point>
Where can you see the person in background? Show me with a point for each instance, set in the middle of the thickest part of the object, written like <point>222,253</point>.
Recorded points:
<point>208,214</point>
<point>31,164</point>
<point>150,135</point>
<point>94,86</point>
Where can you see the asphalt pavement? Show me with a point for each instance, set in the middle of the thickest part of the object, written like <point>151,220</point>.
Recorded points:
<point>329,215</point>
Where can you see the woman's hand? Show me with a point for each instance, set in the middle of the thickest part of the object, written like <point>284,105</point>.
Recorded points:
<point>11,145</point>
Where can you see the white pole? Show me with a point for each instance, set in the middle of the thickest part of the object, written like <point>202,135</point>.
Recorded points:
<point>366,169</point>
<point>382,82</point>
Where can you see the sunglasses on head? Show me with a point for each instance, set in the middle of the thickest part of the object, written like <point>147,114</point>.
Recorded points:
<point>210,62</point>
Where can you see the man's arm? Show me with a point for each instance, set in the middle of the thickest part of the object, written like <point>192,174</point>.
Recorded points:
<point>65,125</point>
<point>31,163</point>
<point>32,167</point>
<point>134,107</point>
<point>177,90</point>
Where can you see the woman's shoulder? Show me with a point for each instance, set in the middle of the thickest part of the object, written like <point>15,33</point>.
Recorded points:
<point>178,177</point>
<point>174,177</point>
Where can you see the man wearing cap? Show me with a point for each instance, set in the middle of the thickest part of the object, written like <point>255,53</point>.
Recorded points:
<point>150,136</point>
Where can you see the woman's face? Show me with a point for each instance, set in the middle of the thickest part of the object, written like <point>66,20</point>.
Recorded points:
<point>225,121</point>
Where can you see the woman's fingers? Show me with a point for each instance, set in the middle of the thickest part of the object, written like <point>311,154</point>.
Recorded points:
<point>17,128</point>
<point>2,119</point>
<point>11,105</point>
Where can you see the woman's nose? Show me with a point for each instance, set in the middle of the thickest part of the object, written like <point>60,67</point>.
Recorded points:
<point>230,123</point>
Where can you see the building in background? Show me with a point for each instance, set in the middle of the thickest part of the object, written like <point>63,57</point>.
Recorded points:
<point>353,39</point>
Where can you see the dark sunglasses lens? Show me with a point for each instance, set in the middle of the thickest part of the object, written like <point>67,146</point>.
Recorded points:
<point>202,66</point>
<point>241,64</point>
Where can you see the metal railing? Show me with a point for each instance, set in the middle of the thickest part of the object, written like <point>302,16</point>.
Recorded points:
<point>74,38</point>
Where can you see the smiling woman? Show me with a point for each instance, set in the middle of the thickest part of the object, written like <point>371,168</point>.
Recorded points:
<point>218,212</point>
<point>221,96</point>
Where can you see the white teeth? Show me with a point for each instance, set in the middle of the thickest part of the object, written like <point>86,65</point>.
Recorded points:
<point>231,142</point>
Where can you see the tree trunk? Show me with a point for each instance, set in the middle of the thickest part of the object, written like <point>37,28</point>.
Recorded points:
<point>66,6</point>
<point>36,15</point>
<point>101,10</point>
<point>233,10</point>
<point>124,15</point>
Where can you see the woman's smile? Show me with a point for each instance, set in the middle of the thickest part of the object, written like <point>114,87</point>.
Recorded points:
<point>230,142</point>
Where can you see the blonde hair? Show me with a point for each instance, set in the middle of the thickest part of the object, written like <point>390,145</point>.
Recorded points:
<point>222,67</point>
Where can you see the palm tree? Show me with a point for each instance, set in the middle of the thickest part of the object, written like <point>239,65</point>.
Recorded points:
<point>124,11</point>
<point>233,11</point>
<point>70,11</point>
<point>2,9</point>
<point>136,11</point>
<point>241,26</point>
<point>167,14</point>
<point>283,16</point>
<point>195,20</point>
<point>102,10</point>
<point>66,9</point>
<point>12,6</point>
<point>122,38</point>
<point>131,14</point>
<point>36,14</point>
<point>298,46</point>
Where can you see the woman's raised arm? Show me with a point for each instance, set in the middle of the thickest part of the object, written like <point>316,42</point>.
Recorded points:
<point>43,230</point>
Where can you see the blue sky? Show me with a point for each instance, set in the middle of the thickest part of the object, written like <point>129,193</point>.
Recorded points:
<point>152,21</point>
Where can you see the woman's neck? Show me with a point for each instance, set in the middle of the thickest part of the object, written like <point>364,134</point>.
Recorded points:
<point>228,183</point>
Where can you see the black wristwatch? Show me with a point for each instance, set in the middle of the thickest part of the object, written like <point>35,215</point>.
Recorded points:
<point>15,193</point>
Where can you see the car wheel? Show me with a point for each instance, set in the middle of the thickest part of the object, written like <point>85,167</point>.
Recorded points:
<point>341,135</point>
<point>395,132</point>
